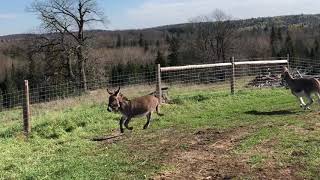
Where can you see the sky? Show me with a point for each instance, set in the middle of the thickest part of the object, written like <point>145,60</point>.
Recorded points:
<point>137,14</point>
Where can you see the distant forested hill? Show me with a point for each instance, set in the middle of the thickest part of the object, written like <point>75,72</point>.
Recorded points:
<point>114,53</point>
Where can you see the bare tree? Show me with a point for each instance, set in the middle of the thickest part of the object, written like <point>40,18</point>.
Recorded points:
<point>213,36</point>
<point>70,18</point>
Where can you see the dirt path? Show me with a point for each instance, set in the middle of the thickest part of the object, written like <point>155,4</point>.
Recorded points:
<point>205,154</point>
<point>209,155</point>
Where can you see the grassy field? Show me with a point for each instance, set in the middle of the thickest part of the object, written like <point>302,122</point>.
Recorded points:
<point>254,134</point>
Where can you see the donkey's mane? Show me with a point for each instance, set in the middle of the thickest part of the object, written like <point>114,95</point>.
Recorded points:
<point>124,97</point>
<point>289,75</point>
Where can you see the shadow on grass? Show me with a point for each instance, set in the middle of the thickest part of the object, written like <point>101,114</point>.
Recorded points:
<point>270,113</point>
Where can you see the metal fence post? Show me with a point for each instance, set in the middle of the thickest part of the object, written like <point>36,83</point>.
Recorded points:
<point>26,109</point>
<point>288,59</point>
<point>232,75</point>
<point>158,89</point>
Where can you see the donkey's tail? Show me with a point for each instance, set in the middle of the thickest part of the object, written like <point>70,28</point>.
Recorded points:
<point>317,82</point>
<point>158,110</point>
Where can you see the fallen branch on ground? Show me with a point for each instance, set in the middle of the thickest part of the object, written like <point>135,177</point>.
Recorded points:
<point>106,138</point>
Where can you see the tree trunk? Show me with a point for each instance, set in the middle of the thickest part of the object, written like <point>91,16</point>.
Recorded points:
<point>70,71</point>
<point>223,51</point>
<point>82,71</point>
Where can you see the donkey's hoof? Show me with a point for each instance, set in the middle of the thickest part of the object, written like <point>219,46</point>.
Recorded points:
<point>307,108</point>
<point>130,128</point>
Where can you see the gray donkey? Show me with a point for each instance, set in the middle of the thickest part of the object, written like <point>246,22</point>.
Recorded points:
<point>141,106</point>
<point>302,87</point>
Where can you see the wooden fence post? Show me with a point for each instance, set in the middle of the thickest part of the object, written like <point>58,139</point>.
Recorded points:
<point>232,75</point>
<point>1,100</point>
<point>158,75</point>
<point>26,109</point>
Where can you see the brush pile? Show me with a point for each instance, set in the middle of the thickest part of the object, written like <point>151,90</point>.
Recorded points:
<point>270,80</point>
<point>165,95</point>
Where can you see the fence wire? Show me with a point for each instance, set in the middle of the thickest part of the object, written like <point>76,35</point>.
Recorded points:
<point>45,98</point>
<point>219,78</point>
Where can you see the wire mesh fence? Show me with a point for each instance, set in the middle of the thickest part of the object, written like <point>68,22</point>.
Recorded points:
<point>249,73</point>
<point>303,67</point>
<point>260,73</point>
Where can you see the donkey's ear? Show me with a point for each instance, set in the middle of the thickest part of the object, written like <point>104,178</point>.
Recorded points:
<point>284,69</point>
<point>110,92</point>
<point>117,92</point>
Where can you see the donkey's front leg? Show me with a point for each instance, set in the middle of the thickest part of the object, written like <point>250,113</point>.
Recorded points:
<point>148,121</point>
<point>123,118</point>
<point>126,124</point>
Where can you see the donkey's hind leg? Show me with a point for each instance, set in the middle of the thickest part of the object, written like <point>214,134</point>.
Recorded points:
<point>306,107</point>
<point>318,96</point>
<point>158,111</point>
<point>299,97</point>
<point>148,121</point>
<point>302,104</point>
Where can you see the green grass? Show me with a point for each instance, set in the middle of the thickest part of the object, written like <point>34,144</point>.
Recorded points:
<point>60,146</point>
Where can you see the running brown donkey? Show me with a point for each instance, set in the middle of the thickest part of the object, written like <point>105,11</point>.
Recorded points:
<point>138,107</point>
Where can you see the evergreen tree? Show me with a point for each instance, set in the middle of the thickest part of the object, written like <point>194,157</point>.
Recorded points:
<point>312,54</point>
<point>129,71</point>
<point>114,74</point>
<point>160,59</point>
<point>119,41</point>
<point>118,75</point>
<point>300,49</point>
<point>289,45</point>
<point>273,39</point>
<point>131,68</point>
<point>9,89</point>
<point>316,49</point>
<point>34,74</point>
<point>149,72</point>
<point>125,41</point>
<point>141,44</point>
<point>157,43</point>
<point>133,43</point>
<point>279,35</point>
<point>167,38</point>
<point>306,52</point>
<point>276,42</point>
<point>146,46</point>
<point>173,57</point>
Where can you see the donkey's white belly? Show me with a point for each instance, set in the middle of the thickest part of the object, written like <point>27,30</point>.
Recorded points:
<point>300,94</point>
